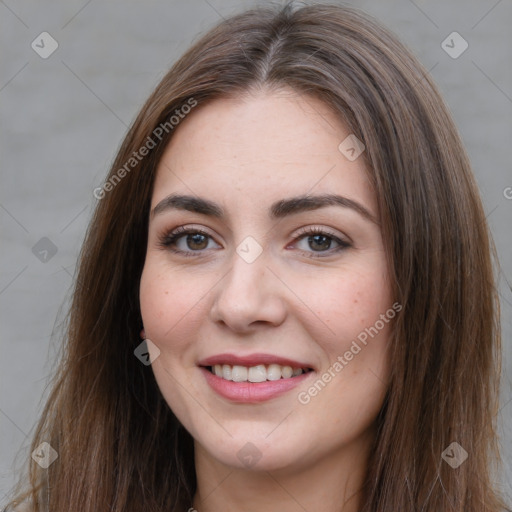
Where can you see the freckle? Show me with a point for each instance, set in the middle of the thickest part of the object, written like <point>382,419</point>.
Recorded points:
<point>166,293</point>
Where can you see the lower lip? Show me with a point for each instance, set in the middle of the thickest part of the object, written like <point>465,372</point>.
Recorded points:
<point>251,392</point>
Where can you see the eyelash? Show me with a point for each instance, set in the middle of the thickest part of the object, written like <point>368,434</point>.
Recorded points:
<point>167,240</point>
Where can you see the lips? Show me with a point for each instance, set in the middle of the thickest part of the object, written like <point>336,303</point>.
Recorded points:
<point>252,360</point>
<point>259,373</point>
<point>252,378</point>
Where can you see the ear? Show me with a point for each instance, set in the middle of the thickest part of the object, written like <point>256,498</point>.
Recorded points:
<point>143,334</point>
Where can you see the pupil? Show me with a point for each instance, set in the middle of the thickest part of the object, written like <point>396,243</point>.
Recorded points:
<point>322,237</point>
<point>196,239</point>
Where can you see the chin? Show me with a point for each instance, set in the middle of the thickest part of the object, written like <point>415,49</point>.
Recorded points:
<point>256,452</point>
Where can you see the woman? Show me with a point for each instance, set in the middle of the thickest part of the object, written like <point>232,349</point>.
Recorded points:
<point>292,226</point>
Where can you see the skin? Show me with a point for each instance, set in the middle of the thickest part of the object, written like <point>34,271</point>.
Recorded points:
<point>245,153</point>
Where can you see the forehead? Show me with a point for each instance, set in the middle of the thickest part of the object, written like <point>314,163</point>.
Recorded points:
<point>260,147</point>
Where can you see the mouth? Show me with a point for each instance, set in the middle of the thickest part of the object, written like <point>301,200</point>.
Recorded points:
<point>258,373</point>
<point>253,378</point>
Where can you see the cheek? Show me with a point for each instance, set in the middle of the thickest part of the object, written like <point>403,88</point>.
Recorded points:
<point>166,300</point>
<point>352,381</point>
<point>344,306</point>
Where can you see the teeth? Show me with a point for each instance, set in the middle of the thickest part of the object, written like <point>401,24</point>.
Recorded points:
<point>226,372</point>
<point>239,373</point>
<point>287,372</point>
<point>273,372</point>
<point>259,373</point>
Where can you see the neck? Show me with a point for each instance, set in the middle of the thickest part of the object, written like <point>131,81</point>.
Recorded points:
<point>331,484</point>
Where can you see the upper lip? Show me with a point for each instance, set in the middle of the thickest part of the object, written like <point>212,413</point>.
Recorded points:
<point>251,360</point>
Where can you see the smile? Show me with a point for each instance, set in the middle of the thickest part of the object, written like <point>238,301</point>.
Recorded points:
<point>253,378</point>
<point>258,373</point>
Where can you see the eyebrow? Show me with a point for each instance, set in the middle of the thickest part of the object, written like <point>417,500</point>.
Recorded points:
<point>278,210</point>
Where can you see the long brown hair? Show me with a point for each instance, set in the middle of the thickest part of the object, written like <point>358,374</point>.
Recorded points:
<point>120,446</point>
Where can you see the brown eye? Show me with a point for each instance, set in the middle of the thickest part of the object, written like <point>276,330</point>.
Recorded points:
<point>320,241</point>
<point>196,241</point>
<point>186,241</point>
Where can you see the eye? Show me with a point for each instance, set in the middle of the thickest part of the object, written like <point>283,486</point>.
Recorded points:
<point>320,240</point>
<point>187,241</point>
<point>191,241</point>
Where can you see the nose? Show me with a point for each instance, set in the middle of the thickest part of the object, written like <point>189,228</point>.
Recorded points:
<point>249,295</point>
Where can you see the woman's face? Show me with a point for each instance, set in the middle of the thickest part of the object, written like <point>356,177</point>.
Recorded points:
<point>282,293</point>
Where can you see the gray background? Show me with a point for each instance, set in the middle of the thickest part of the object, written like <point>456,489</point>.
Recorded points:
<point>65,116</point>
